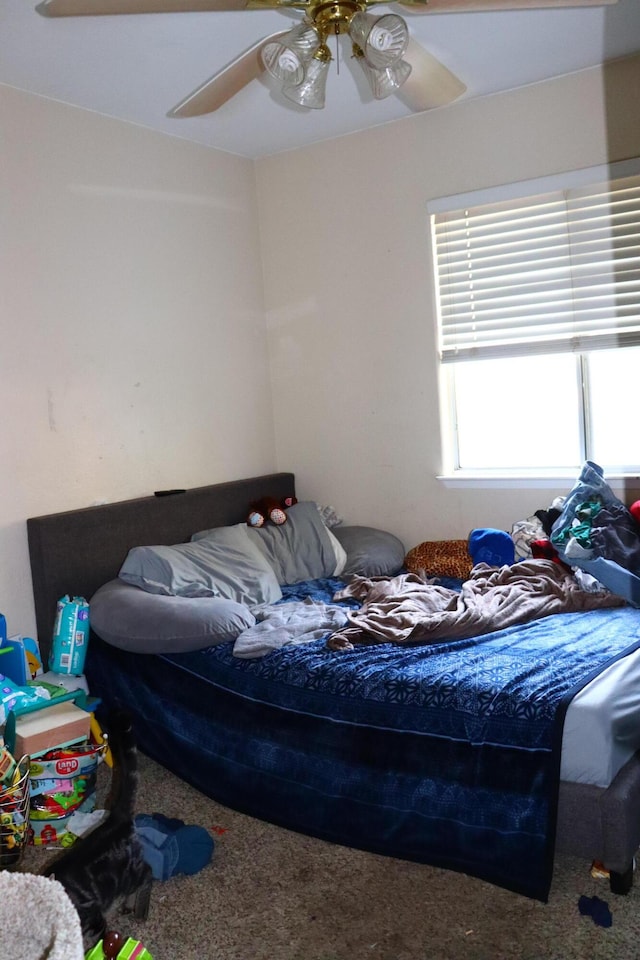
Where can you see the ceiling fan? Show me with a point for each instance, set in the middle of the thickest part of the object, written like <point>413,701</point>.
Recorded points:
<point>299,58</point>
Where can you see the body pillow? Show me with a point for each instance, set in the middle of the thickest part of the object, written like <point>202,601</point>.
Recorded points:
<point>132,619</point>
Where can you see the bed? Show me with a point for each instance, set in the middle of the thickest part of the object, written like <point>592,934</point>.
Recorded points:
<point>304,738</point>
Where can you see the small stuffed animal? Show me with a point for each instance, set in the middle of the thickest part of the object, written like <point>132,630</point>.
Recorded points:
<point>255,518</point>
<point>267,508</point>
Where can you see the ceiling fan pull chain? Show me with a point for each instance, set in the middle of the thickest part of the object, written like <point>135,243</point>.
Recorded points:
<point>337,32</point>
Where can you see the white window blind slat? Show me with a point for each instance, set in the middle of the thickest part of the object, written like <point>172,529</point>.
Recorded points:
<point>552,273</point>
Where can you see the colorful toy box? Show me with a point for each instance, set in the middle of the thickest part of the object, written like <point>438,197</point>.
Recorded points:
<point>56,830</point>
<point>62,783</point>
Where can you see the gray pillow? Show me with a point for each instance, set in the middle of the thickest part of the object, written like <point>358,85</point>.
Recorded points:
<point>300,549</point>
<point>129,618</point>
<point>370,552</point>
<point>224,564</point>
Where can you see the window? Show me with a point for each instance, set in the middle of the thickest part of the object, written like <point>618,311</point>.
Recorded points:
<point>538,304</point>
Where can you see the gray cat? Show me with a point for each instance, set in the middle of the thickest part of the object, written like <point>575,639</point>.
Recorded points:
<point>108,864</point>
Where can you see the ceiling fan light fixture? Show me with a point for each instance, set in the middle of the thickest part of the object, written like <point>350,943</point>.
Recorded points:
<point>383,40</point>
<point>284,59</point>
<point>386,81</point>
<point>311,91</point>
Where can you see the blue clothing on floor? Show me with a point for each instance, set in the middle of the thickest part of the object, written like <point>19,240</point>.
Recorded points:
<point>171,847</point>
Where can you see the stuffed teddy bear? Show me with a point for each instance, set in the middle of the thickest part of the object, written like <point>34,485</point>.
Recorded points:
<point>268,508</point>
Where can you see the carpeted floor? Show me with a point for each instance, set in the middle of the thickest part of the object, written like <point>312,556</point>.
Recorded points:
<point>269,894</point>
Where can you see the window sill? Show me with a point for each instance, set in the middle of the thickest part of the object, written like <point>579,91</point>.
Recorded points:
<point>505,479</point>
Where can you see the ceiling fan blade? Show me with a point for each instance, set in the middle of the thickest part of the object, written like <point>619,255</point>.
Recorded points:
<point>470,6</point>
<point>225,84</point>
<point>430,84</point>
<point>80,8</point>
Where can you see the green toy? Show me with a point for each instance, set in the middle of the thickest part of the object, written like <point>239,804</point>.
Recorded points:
<point>112,947</point>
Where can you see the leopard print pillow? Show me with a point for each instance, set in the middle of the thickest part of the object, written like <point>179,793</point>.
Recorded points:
<point>440,558</point>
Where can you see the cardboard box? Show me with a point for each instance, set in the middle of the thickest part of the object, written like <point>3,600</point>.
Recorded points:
<point>50,727</point>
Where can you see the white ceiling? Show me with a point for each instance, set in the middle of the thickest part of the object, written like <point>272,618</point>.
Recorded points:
<point>137,67</point>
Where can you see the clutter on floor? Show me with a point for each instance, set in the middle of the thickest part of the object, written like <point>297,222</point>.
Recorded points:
<point>34,715</point>
<point>50,750</point>
<point>597,909</point>
<point>598,871</point>
<point>172,847</point>
<point>52,743</point>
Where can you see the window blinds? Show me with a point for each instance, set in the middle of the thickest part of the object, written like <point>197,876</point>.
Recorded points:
<point>555,272</point>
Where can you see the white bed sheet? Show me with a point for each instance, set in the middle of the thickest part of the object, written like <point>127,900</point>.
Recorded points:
<point>602,725</point>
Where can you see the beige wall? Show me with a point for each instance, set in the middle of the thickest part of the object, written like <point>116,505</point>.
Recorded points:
<point>131,321</point>
<point>349,296</point>
<point>132,314</point>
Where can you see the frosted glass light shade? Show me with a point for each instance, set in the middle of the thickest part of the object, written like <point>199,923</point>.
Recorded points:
<point>383,40</point>
<point>385,82</point>
<point>311,92</point>
<point>285,59</point>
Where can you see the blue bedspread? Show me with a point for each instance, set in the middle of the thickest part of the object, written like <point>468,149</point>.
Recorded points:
<point>445,754</point>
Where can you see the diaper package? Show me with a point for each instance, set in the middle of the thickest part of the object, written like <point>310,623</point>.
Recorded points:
<point>13,696</point>
<point>70,636</point>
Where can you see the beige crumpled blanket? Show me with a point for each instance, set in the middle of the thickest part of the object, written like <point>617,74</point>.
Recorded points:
<point>407,609</point>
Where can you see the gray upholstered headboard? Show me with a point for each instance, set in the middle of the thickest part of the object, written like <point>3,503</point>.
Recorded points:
<point>75,552</point>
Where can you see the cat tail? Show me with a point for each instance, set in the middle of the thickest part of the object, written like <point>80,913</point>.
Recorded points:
<point>124,778</point>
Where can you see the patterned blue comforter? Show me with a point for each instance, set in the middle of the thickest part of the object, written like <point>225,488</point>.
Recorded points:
<point>446,754</point>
